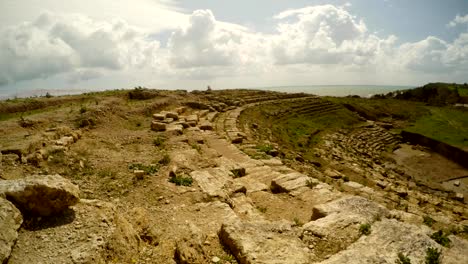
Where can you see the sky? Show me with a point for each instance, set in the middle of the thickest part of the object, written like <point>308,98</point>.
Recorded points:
<point>84,45</point>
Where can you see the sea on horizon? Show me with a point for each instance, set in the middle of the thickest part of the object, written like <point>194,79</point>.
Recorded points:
<point>338,90</point>
<point>321,90</point>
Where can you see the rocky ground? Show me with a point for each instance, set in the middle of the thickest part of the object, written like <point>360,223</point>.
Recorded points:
<point>174,179</point>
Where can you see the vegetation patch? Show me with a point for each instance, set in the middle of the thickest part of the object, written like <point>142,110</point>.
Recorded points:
<point>441,238</point>
<point>402,259</point>
<point>159,141</point>
<point>181,180</point>
<point>365,229</point>
<point>165,160</point>
<point>432,256</point>
<point>265,148</point>
<point>427,220</point>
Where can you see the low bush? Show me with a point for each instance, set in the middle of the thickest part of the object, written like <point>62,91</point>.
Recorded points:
<point>365,229</point>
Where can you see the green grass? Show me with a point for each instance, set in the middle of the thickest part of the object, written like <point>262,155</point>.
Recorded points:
<point>444,124</point>
<point>181,180</point>
<point>432,256</point>
<point>365,229</point>
<point>159,141</point>
<point>265,148</point>
<point>427,220</point>
<point>402,259</point>
<point>441,238</point>
<point>165,160</point>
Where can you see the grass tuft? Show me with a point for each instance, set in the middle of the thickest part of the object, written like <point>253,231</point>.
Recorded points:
<point>402,259</point>
<point>181,180</point>
<point>365,229</point>
<point>432,256</point>
<point>441,238</point>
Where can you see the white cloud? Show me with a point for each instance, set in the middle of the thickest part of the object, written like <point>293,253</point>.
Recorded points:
<point>434,55</point>
<point>458,20</point>
<point>206,42</point>
<point>323,35</point>
<point>310,44</point>
<point>55,44</point>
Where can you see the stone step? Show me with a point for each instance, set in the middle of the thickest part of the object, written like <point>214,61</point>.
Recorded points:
<point>263,242</point>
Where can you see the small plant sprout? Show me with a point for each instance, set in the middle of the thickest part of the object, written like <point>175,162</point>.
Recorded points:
<point>402,259</point>
<point>365,229</point>
<point>432,256</point>
<point>441,238</point>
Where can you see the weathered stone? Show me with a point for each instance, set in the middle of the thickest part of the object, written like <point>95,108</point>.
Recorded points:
<point>144,225</point>
<point>459,197</point>
<point>456,183</point>
<point>237,140</point>
<point>167,120</point>
<point>94,232</point>
<point>206,126</point>
<point>157,126</point>
<point>388,238</point>
<point>175,129</point>
<point>65,141</point>
<point>190,249</point>
<point>181,109</point>
<point>352,186</point>
<point>262,242</point>
<point>402,192</point>
<point>382,184</point>
<point>139,174</point>
<point>192,123</point>
<point>192,118</point>
<point>172,115</point>
<point>334,174</point>
<point>159,117</point>
<point>335,225</point>
<point>184,124</point>
<point>41,195</point>
<point>10,222</point>
<point>289,182</point>
<point>351,205</point>
<point>203,113</point>
<point>213,181</point>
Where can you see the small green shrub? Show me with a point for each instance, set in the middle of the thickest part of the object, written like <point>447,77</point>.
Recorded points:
<point>402,259</point>
<point>427,220</point>
<point>228,258</point>
<point>165,160</point>
<point>346,179</point>
<point>159,141</point>
<point>365,229</point>
<point>441,238</point>
<point>150,169</point>
<point>181,180</point>
<point>432,256</point>
<point>83,109</point>
<point>265,148</point>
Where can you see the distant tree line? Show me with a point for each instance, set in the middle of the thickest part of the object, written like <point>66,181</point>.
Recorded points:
<point>432,93</point>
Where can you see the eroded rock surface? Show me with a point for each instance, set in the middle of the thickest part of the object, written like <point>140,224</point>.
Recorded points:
<point>92,232</point>
<point>10,222</point>
<point>40,195</point>
<point>263,242</point>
